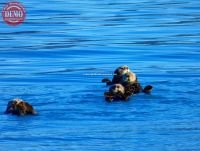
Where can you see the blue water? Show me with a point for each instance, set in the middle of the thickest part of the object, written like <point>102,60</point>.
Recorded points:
<point>56,59</point>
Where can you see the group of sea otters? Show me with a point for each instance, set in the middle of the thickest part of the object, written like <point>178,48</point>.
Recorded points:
<point>123,85</point>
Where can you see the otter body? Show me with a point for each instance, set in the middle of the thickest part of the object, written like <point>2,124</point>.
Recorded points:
<point>131,84</point>
<point>19,107</point>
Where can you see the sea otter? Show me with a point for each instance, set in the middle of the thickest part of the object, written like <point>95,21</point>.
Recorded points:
<point>117,89</point>
<point>116,92</point>
<point>129,77</point>
<point>19,107</point>
<point>118,74</point>
<point>131,84</point>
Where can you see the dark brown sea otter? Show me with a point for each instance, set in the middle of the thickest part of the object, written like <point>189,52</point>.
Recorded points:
<point>131,84</point>
<point>116,92</point>
<point>118,74</point>
<point>19,107</point>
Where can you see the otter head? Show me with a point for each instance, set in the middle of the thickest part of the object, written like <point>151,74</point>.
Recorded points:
<point>129,78</point>
<point>12,106</point>
<point>122,70</point>
<point>117,89</point>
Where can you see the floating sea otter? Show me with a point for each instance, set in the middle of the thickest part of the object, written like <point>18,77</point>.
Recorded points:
<point>19,107</point>
<point>128,80</point>
<point>118,74</point>
<point>116,92</point>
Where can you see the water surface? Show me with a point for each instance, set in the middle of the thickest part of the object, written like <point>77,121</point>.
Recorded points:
<point>58,56</point>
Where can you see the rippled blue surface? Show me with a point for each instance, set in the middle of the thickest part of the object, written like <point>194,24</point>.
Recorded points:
<point>47,61</point>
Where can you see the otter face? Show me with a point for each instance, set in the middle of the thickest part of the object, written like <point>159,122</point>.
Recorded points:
<point>117,88</point>
<point>129,78</point>
<point>122,70</point>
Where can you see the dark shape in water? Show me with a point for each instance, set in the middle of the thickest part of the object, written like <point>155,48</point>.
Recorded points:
<point>147,89</point>
<point>19,107</point>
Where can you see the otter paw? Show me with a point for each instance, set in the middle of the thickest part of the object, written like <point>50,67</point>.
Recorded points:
<point>107,81</point>
<point>147,89</point>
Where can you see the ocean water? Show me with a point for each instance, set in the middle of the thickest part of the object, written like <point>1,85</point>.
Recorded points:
<point>57,58</point>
